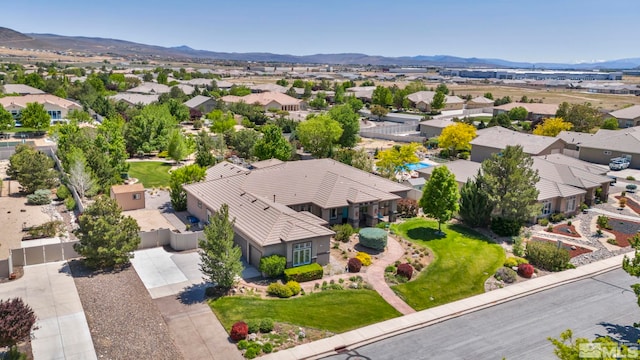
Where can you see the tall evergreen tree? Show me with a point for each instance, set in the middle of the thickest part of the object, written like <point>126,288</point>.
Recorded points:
<point>475,207</point>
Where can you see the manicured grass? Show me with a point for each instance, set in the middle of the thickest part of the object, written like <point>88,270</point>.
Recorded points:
<point>333,310</point>
<point>150,173</point>
<point>464,259</point>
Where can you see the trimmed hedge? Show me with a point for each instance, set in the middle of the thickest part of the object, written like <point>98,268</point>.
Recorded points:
<point>304,273</point>
<point>547,256</point>
<point>239,331</point>
<point>354,265</point>
<point>273,266</point>
<point>373,238</point>
<point>405,270</point>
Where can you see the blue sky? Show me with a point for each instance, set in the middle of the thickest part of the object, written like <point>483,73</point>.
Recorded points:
<point>518,30</point>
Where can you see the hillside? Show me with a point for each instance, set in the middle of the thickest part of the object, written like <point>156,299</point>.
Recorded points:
<point>9,36</point>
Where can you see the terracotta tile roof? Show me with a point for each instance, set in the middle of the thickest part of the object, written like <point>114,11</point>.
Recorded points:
<point>22,101</point>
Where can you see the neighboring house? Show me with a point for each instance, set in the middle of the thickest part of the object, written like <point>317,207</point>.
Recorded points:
<point>607,144</point>
<point>573,139</point>
<point>129,197</point>
<point>627,117</point>
<point>56,107</point>
<point>416,183</point>
<point>495,139</point>
<point>433,128</point>
<point>463,170</point>
<point>363,93</point>
<point>268,100</point>
<point>135,99</point>
<point>202,103</point>
<point>19,89</point>
<point>479,102</point>
<point>535,111</point>
<point>260,88</point>
<point>187,89</point>
<point>421,100</point>
<point>150,88</point>
<point>284,207</point>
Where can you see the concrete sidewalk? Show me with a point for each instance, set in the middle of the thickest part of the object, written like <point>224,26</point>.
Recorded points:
<point>376,332</point>
<point>51,292</point>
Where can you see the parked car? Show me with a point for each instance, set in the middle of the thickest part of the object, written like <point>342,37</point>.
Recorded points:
<point>619,163</point>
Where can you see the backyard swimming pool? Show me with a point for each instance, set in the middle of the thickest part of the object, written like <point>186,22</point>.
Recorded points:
<point>417,166</point>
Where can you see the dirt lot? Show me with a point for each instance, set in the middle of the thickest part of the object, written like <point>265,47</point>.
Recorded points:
<point>15,213</point>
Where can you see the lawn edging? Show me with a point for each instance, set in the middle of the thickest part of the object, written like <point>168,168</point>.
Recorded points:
<point>390,328</point>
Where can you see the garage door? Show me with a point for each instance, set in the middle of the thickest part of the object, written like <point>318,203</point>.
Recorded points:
<point>255,256</point>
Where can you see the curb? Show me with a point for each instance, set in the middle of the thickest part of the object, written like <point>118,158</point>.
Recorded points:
<point>342,343</point>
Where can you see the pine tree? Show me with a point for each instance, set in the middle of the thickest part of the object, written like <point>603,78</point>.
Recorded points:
<point>219,255</point>
<point>475,207</point>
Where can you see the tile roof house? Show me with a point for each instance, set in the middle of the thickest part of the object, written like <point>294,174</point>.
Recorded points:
<point>422,101</point>
<point>627,117</point>
<point>363,93</point>
<point>535,111</point>
<point>20,89</point>
<point>150,88</point>
<point>135,99</point>
<point>479,103</point>
<point>259,88</point>
<point>203,103</point>
<point>56,107</point>
<point>283,207</point>
<point>495,139</point>
<point>268,100</point>
<point>607,144</point>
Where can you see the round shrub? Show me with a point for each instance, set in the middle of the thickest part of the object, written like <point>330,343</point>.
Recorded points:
<point>239,331</point>
<point>354,265</point>
<point>546,255</point>
<point>405,270</point>
<point>266,325</point>
<point>70,203</point>
<point>62,192</point>
<point>254,326</point>
<point>343,232</point>
<point>364,258</point>
<point>294,286</point>
<point>373,238</point>
<point>279,289</point>
<point>251,353</point>
<point>510,262</point>
<point>243,344</point>
<point>505,274</point>
<point>525,270</point>
<point>273,266</point>
<point>40,197</point>
<point>267,348</point>
<point>390,269</point>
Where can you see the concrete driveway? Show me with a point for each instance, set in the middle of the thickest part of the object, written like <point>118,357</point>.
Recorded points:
<point>63,330</point>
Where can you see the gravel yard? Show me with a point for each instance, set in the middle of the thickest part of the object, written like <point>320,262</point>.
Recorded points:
<point>124,322</point>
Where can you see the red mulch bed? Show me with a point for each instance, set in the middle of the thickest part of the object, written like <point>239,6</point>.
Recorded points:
<point>623,230</point>
<point>579,250</point>
<point>566,230</point>
<point>632,204</point>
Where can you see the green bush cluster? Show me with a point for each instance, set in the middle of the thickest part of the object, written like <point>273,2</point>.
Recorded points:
<point>505,274</point>
<point>505,227</point>
<point>273,266</point>
<point>515,261</point>
<point>304,273</point>
<point>343,232</point>
<point>547,256</point>
<point>284,290</point>
<point>556,217</point>
<point>543,222</point>
<point>62,192</point>
<point>518,247</point>
<point>373,238</point>
<point>70,203</point>
<point>294,286</point>
<point>603,222</point>
<point>40,197</point>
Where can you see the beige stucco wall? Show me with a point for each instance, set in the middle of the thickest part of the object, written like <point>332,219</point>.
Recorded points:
<point>599,157</point>
<point>430,131</point>
<point>127,202</point>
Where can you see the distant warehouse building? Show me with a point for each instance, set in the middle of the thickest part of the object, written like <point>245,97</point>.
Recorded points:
<point>519,74</point>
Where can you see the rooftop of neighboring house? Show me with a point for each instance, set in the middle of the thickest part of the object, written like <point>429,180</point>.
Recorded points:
<point>498,137</point>
<point>567,175</point>
<point>623,140</point>
<point>187,89</point>
<point>127,189</point>
<point>196,101</point>
<point>438,123</point>
<point>150,88</point>
<point>269,88</point>
<point>463,170</point>
<point>258,218</point>
<point>144,99</point>
<point>20,89</point>
<point>574,137</point>
<point>481,100</point>
<point>427,97</point>
<point>548,189</point>
<point>631,112</point>
<point>22,101</point>
<point>561,159</point>
<point>266,163</point>
<point>263,99</point>
<point>536,108</point>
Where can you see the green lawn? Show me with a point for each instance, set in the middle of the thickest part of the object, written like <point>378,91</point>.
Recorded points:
<point>333,310</point>
<point>464,259</point>
<point>150,173</point>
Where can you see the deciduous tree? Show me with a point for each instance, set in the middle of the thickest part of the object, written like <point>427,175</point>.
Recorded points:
<point>319,134</point>
<point>177,147</point>
<point>219,255</point>
<point>552,127</point>
<point>6,120</point>
<point>518,113</point>
<point>355,103</point>
<point>350,123</point>
<point>610,124</point>
<point>107,238</point>
<point>457,137</point>
<point>379,111</point>
<point>395,159</point>
<point>440,195</point>
<point>204,145</point>
<point>584,117</point>
<point>220,121</point>
<point>35,116</point>
<point>79,175</point>
<point>32,168</point>
<point>382,96</point>
<point>443,89</point>
<point>272,144</point>
<point>438,102</point>
<point>243,142</point>
<point>180,177</point>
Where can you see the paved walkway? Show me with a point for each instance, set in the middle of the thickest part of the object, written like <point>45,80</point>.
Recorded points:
<point>615,215</point>
<point>175,284</point>
<point>386,329</point>
<point>51,292</point>
<point>375,276</point>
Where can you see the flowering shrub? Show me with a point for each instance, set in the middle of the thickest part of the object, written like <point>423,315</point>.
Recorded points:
<point>354,265</point>
<point>364,258</point>
<point>525,270</point>
<point>405,270</point>
<point>239,331</point>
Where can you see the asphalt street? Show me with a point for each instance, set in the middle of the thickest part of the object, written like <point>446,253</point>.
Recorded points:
<point>598,306</point>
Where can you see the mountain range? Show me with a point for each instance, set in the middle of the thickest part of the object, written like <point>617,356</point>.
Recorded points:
<point>92,45</point>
